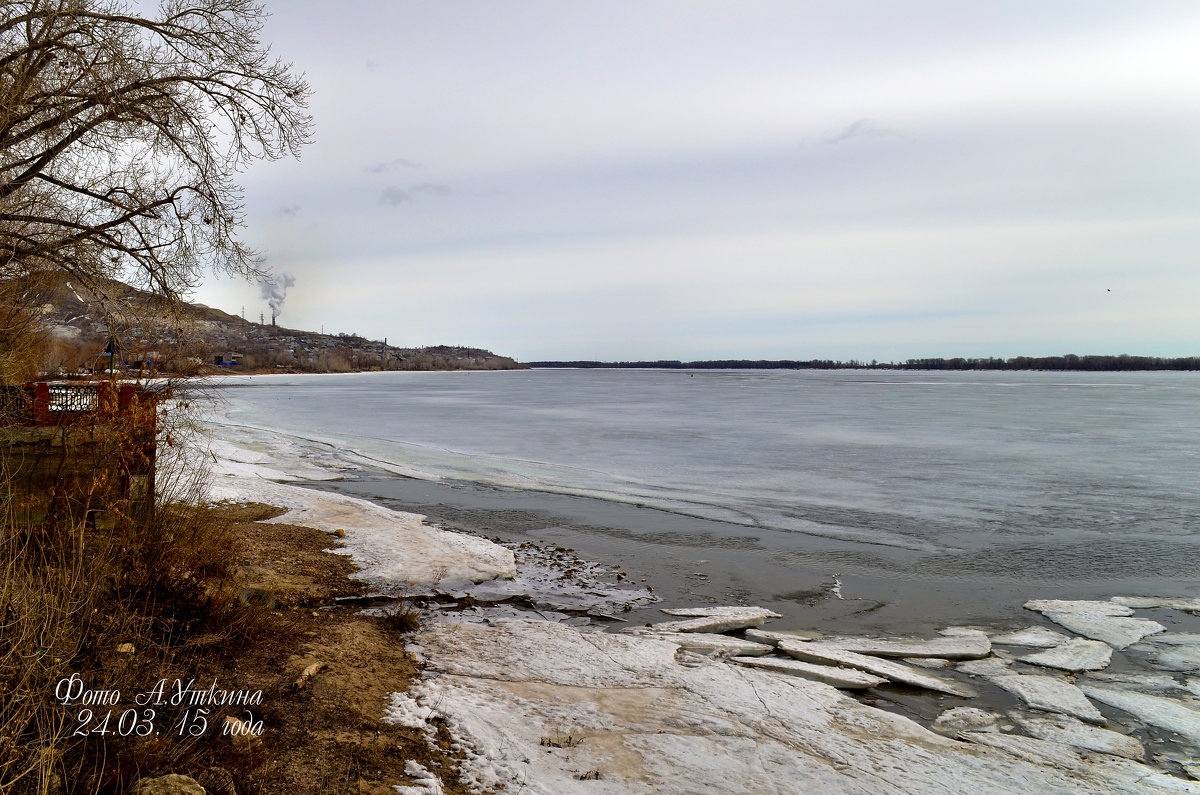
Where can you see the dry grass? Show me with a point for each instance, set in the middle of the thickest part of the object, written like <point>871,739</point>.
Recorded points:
<point>120,604</point>
<point>154,598</point>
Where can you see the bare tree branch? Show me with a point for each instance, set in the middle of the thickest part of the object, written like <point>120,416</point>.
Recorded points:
<point>121,136</point>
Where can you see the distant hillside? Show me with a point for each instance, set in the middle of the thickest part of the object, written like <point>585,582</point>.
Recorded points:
<point>193,339</point>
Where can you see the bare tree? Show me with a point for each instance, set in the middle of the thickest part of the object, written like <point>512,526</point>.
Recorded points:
<point>121,136</point>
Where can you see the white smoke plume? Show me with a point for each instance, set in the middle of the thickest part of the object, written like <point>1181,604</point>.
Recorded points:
<point>274,289</point>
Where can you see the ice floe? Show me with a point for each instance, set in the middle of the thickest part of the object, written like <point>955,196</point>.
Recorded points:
<point>728,611</point>
<point>1173,658</point>
<point>1146,681</point>
<point>846,678</point>
<point>705,642</point>
<point>1071,731</point>
<point>1042,752</point>
<point>1172,651</point>
<point>1150,602</point>
<point>748,617</point>
<point>992,666</point>
<point>1091,608</point>
<point>775,637</point>
<point>1065,757</point>
<point>1049,694</point>
<point>1033,637</point>
<point>957,647</point>
<point>1165,713</point>
<point>1075,654</point>
<point>1118,632</point>
<point>819,652</point>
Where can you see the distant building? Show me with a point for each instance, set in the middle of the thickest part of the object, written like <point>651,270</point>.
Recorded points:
<point>229,359</point>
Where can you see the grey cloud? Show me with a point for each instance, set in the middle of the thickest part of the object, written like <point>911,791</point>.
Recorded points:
<point>391,165</point>
<point>372,65</point>
<point>863,128</point>
<point>394,196</point>
<point>290,210</point>
<point>433,189</point>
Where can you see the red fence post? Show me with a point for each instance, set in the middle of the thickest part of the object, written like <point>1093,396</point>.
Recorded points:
<point>41,404</point>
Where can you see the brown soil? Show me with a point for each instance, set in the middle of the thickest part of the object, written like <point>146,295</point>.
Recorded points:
<point>327,736</point>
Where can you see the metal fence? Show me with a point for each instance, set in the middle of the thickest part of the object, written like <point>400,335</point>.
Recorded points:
<point>74,397</point>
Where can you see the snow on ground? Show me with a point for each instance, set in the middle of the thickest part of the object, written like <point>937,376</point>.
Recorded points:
<point>395,551</point>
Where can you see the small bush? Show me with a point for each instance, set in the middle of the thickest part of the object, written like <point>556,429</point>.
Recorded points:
<point>404,619</point>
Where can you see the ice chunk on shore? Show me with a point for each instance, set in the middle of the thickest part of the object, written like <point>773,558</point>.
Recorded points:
<point>1076,654</point>
<point>1165,713</point>
<point>1034,637</point>
<point>1151,602</point>
<point>818,651</point>
<point>1172,651</point>
<point>1116,631</point>
<point>1176,639</point>
<point>748,617</point>
<point>991,666</point>
<point>1148,682</point>
<point>1177,658</point>
<point>1071,731</point>
<point>1049,694</point>
<point>1078,606</point>
<point>846,678</point>
<point>651,726</point>
<point>705,642</point>
<point>957,647</point>
<point>696,612</point>
<point>1042,752</point>
<point>965,719</point>
<point>775,637</point>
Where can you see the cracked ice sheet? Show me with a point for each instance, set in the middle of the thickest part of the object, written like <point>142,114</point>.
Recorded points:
<point>394,550</point>
<point>649,725</point>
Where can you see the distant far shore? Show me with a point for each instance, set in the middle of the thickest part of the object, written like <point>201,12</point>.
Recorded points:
<point>1092,363</point>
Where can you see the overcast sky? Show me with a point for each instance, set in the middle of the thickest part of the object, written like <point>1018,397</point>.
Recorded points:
<point>637,180</point>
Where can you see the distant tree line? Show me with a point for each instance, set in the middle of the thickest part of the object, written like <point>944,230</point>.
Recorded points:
<point>1067,362</point>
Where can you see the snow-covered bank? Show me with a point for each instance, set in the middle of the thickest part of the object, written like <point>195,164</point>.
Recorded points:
<point>548,708</point>
<point>395,551</point>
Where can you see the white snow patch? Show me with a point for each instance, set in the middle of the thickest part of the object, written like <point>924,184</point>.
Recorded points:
<point>406,711</point>
<point>427,782</point>
<point>394,550</point>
